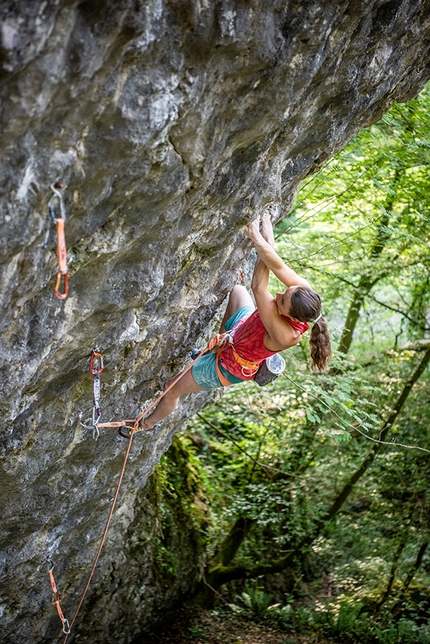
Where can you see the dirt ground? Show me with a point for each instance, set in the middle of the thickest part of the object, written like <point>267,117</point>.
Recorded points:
<point>199,626</point>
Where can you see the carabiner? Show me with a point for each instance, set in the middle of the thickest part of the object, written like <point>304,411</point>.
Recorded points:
<point>57,293</point>
<point>126,431</point>
<point>58,189</point>
<point>92,423</point>
<point>97,358</point>
<point>97,414</point>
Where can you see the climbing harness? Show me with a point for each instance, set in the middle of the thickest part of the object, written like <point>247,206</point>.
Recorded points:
<point>227,340</point>
<point>248,367</point>
<point>63,272</point>
<point>56,598</point>
<point>132,426</point>
<point>262,372</point>
<point>96,368</point>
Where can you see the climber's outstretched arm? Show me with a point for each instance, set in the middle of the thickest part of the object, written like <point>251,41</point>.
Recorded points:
<point>281,335</point>
<point>269,256</point>
<point>260,276</point>
<point>267,229</point>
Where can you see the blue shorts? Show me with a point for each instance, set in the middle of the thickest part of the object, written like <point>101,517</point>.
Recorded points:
<point>204,371</point>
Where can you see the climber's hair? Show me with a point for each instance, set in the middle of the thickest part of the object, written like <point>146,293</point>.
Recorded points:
<point>305,305</point>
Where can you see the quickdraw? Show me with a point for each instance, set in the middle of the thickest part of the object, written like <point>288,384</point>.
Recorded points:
<point>96,368</point>
<point>55,599</point>
<point>63,272</point>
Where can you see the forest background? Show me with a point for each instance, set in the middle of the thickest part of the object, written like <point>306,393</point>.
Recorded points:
<point>307,500</point>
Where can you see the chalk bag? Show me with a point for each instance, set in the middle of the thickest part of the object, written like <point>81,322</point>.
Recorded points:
<point>269,370</point>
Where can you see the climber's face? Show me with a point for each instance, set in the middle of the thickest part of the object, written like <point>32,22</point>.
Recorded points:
<point>283,301</point>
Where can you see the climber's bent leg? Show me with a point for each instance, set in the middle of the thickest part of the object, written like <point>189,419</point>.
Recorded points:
<point>185,385</point>
<point>239,298</point>
<point>203,372</point>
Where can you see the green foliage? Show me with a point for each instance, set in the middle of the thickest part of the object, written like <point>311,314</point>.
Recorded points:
<point>363,223</point>
<point>182,511</point>
<point>167,560</point>
<point>256,602</point>
<point>345,623</point>
<point>195,632</point>
<point>404,632</point>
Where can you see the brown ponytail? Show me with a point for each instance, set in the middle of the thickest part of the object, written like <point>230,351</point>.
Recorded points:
<point>305,305</point>
<point>320,345</point>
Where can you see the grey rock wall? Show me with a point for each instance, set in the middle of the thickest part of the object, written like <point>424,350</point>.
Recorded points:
<point>170,122</point>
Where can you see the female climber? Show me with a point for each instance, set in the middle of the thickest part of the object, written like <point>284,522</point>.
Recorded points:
<point>276,324</point>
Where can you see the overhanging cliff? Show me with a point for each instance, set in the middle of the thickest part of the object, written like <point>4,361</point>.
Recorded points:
<point>170,122</point>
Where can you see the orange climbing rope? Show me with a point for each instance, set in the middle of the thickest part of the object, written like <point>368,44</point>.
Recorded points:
<point>132,425</point>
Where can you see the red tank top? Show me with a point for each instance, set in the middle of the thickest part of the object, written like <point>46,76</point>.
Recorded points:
<point>249,343</point>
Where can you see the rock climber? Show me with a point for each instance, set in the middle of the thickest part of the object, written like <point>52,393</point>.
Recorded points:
<point>276,324</point>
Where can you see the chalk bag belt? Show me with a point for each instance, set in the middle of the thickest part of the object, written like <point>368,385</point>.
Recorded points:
<point>63,271</point>
<point>56,600</point>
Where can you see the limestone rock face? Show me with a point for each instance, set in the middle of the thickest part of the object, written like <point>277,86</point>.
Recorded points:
<point>169,123</point>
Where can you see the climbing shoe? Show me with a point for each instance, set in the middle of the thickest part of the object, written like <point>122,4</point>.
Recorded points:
<point>125,432</point>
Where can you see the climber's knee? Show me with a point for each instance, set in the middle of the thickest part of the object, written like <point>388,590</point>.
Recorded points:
<point>239,297</point>
<point>238,288</point>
